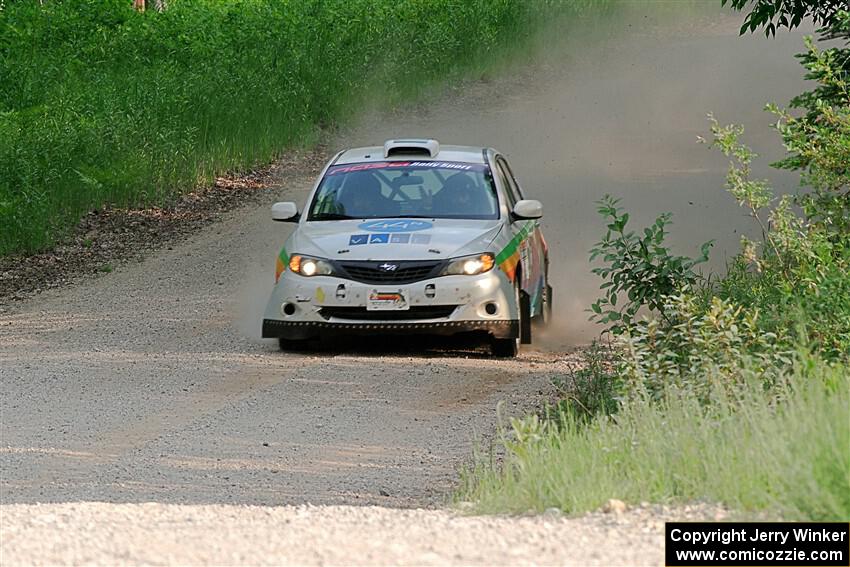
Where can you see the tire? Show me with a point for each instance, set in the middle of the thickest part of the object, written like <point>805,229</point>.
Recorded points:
<point>505,348</point>
<point>295,345</point>
<point>545,317</point>
<point>509,348</point>
<point>524,318</point>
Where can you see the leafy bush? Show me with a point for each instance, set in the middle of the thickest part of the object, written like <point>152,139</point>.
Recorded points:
<point>703,351</point>
<point>798,278</point>
<point>816,314</point>
<point>641,267</point>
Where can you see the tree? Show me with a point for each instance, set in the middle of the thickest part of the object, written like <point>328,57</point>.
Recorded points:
<point>159,5</point>
<point>818,142</point>
<point>773,14</point>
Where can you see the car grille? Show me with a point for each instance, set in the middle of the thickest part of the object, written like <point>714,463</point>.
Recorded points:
<point>415,312</point>
<point>405,271</point>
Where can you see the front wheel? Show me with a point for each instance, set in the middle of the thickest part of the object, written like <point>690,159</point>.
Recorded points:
<point>509,348</point>
<point>505,348</point>
<point>295,345</point>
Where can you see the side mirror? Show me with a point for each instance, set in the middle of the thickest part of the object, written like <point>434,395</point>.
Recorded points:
<point>527,209</point>
<point>285,212</point>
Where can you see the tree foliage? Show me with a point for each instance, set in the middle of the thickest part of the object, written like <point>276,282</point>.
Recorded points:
<point>773,14</point>
<point>818,142</point>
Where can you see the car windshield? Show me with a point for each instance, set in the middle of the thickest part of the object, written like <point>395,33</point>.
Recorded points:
<point>426,189</point>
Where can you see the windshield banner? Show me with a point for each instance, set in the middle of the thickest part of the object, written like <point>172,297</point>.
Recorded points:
<point>456,165</point>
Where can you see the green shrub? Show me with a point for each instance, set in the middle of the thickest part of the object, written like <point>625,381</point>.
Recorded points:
<point>640,267</point>
<point>817,313</point>
<point>704,351</point>
<point>798,277</point>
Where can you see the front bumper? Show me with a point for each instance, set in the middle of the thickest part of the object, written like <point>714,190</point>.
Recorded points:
<point>274,328</point>
<point>301,307</point>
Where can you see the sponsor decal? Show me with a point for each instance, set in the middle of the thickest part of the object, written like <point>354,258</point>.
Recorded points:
<point>395,225</point>
<point>509,257</point>
<point>386,296</point>
<point>386,238</point>
<point>280,264</point>
<point>460,166</point>
<point>386,300</point>
<point>456,165</point>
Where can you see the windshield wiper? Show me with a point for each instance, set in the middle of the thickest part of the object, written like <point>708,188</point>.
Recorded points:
<point>330,216</point>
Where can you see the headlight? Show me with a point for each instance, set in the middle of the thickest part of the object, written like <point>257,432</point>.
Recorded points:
<point>308,266</point>
<point>470,265</point>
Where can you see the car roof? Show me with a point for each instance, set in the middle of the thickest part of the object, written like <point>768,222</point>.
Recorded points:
<point>468,154</point>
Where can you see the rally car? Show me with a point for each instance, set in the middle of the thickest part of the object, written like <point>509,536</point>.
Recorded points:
<point>412,237</point>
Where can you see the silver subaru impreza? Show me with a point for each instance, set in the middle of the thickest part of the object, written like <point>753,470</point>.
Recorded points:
<point>412,237</point>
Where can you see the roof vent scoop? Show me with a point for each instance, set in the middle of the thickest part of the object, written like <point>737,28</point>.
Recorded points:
<point>413,147</point>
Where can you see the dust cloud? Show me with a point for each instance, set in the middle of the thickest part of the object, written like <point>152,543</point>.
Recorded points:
<point>615,106</point>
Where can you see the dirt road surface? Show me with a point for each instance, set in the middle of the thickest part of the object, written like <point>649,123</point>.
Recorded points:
<point>143,421</point>
<point>145,385</point>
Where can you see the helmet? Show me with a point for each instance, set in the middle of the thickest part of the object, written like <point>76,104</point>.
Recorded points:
<point>460,195</point>
<point>362,196</point>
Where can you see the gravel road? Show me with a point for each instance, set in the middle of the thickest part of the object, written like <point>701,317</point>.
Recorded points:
<point>142,420</point>
<point>150,384</point>
<point>96,533</point>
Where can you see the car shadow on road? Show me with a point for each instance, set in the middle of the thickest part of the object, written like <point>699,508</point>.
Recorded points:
<point>463,345</point>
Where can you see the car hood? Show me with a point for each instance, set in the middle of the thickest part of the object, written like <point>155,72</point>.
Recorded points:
<point>393,239</point>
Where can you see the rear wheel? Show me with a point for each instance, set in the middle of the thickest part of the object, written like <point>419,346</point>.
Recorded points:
<point>524,318</point>
<point>545,317</point>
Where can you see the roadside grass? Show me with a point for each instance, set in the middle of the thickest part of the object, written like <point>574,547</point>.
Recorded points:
<point>100,104</point>
<point>785,454</point>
